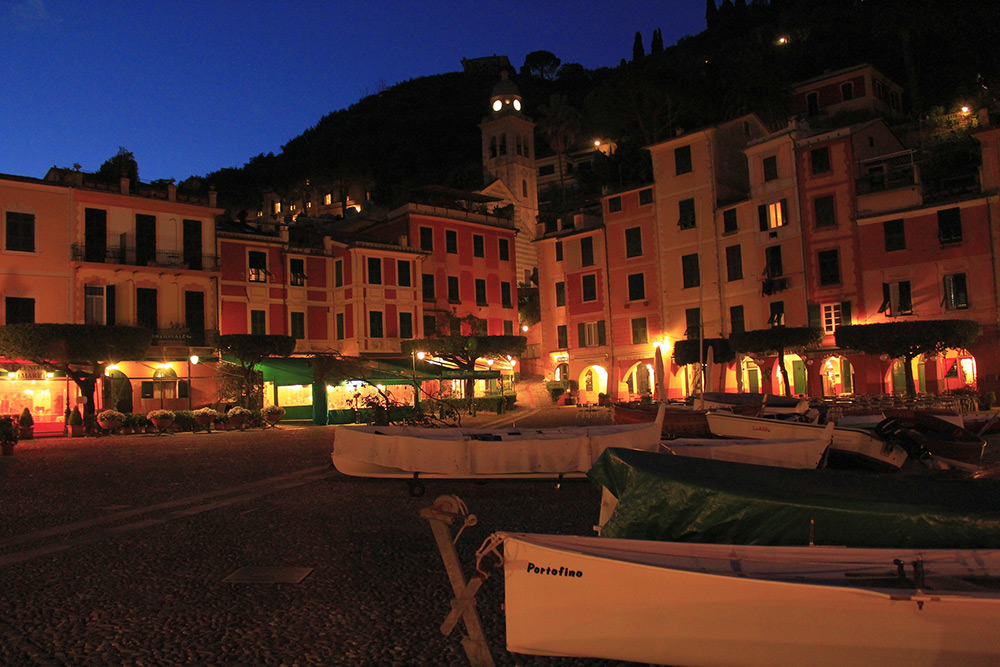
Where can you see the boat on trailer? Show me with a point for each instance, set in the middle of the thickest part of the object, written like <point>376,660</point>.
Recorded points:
<point>748,606</point>
<point>469,453</point>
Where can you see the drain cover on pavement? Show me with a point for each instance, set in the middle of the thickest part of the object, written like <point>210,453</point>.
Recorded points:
<point>269,575</point>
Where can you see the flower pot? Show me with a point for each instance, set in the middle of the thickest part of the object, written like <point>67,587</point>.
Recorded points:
<point>163,424</point>
<point>272,419</point>
<point>7,448</point>
<point>27,432</point>
<point>205,421</point>
<point>76,430</point>
<point>108,425</point>
<point>237,421</point>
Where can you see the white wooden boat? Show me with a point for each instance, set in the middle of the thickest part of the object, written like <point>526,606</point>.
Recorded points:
<point>749,606</point>
<point>791,453</point>
<point>850,448</point>
<point>467,453</point>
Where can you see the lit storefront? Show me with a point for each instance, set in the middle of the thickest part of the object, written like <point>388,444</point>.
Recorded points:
<point>43,392</point>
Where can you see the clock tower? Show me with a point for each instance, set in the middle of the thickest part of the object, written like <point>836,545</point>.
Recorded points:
<point>509,166</point>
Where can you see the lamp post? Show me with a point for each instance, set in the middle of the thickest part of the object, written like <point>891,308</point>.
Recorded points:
<point>416,389</point>
<point>192,361</point>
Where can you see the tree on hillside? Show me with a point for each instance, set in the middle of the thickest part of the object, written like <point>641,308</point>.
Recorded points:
<point>543,64</point>
<point>656,46</point>
<point>82,351</point>
<point>559,123</point>
<point>908,340</point>
<point>638,52</point>
<point>464,350</point>
<point>777,340</point>
<point>249,350</point>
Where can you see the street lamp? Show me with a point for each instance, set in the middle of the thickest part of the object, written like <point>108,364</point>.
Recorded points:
<point>416,390</point>
<point>192,361</point>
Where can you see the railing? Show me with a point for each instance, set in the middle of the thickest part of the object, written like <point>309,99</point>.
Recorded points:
<point>139,257</point>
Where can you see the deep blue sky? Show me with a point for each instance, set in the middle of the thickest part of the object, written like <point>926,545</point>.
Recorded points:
<point>192,87</point>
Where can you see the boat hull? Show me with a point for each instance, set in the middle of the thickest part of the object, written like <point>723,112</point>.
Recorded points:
<point>639,601</point>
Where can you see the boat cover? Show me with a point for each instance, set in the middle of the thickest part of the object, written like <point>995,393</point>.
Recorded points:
<point>680,499</point>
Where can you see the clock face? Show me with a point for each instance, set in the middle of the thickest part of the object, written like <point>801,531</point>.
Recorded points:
<point>497,105</point>
<point>517,105</point>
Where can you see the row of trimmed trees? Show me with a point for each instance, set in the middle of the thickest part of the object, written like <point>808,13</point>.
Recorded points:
<point>897,340</point>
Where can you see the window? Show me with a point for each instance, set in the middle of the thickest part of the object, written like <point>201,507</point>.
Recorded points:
<point>895,235</point>
<point>478,247</point>
<point>297,325</point>
<point>950,226</point>
<point>896,299</point>
<point>374,270</point>
<point>562,337</point>
<point>633,242</point>
<point>426,238</point>
<point>508,327</point>
<point>405,324</point>
<point>145,308</point>
<point>338,273</point>
<point>636,287</point>
<point>686,216</point>
<point>829,267</point>
<point>430,325</point>
<point>20,232</point>
<point>19,310</point>
<point>692,322</point>
<point>480,292</point>
<point>737,324</point>
<point>559,251</point>
<point>587,251</point>
<point>327,199</point>
<point>729,221</point>
<point>547,170</point>
<point>591,334</point>
<point>645,196</point>
<point>823,208</point>
<point>956,296</point>
<point>375,323</point>
<point>614,204</point>
<point>340,326</point>
<point>451,241</point>
<point>773,215</point>
<point>560,294</point>
<point>505,299</point>
<point>524,182</point>
<point>297,271</point>
<point>771,168</point>
<point>93,304</point>
<point>191,242</point>
<point>503,247</point>
<point>257,266</point>
<point>819,160</point>
<point>590,287</point>
<point>682,159</point>
<point>772,261</point>
<point>403,273</point>
<point>258,322</point>
<point>453,294</point>
<point>847,91</point>
<point>832,317</point>
<point>777,318</point>
<point>689,271</point>
<point>95,241</point>
<point>427,286</point>
<point>734,263</point>
<point>639,333</point>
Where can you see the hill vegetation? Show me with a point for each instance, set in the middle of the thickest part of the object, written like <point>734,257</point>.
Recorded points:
<point>425,131</point>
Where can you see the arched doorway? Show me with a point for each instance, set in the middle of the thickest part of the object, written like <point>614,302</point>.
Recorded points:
<point>797,375</point>
<point>593,381</point>
<point>116,391</point>
<point>562,372</point>
<point>837,376</point>
<point>751,376</point>
<point>639,378</point>
<point>958,370</point>
<point>896,377</point>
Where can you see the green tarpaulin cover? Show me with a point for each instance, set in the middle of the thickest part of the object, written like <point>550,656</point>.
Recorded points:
<point>681,499</point>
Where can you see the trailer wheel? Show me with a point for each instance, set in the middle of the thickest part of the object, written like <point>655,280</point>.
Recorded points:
<point>416,488</point>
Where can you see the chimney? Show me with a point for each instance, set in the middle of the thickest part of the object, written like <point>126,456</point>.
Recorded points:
<point>212,197</point>
<point>171,192</point>
<point>123,184</point>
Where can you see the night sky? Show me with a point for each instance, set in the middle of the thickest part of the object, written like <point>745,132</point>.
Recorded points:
<point>192,87</point>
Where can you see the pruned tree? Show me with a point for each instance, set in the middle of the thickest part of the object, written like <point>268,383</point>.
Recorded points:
<point>777,340</point>
<point>908,340</point>
<point>249,350</point>
<point>542,64</point>
<point>688,351</point>
<point>464,350</point>
<point>82,351</point>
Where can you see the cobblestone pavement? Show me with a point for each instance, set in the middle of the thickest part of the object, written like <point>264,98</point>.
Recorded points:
<point>116,550</point>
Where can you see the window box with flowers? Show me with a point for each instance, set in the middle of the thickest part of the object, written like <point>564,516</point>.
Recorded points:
<point>205,417</point>
<point>161,419</point>
<point>110,420</point>
<point>239,416</point>
<point>272,414</point>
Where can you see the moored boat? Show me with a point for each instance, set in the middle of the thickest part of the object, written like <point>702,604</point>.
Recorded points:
<point>925,435</point>
<point>746,606</point>
<point>793,453</point>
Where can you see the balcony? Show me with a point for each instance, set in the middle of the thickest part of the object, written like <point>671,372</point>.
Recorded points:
<point>133,257</point>
<point>774,285</point>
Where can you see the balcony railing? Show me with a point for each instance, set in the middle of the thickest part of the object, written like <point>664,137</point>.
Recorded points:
<point>138,257</point>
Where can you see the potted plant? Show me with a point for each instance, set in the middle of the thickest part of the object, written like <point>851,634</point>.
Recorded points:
<point>8,436</point>
<point>161,419</point>
<point>205,417</point>
<point>75,423</point>
<point>272,414</point>
<point>26,425</point>
<point>110,420</point>
<point>238,416</point>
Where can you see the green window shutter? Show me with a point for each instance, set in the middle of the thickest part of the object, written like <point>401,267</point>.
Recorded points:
<point>600,333</point>
<point>109,305</point>
<point>815,316</point>
<point>581,330</point>
<point>845,313</point>
<point>762,216</point>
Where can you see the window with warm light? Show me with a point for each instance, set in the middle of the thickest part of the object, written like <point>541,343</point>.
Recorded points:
<point>639,332</point>
<point>773,215</point>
